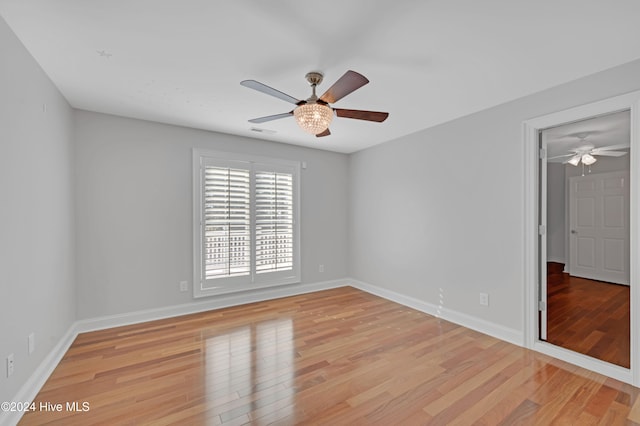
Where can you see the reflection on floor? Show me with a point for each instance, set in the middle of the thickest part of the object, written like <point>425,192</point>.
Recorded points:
<point>335,357</point>
<point>587,316</point>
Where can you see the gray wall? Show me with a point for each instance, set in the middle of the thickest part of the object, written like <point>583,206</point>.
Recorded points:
<point>134,210</point>
<point>37,287</point>
<point>556,234</point>
<point>438,215</point>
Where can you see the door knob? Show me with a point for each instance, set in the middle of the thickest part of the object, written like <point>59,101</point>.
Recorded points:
<point>573,231</point>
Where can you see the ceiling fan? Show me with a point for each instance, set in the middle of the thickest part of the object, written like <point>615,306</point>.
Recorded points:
<point>587,153</point>
<point>314,114</point>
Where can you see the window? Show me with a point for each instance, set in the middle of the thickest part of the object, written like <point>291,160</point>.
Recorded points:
<point>246,229</point>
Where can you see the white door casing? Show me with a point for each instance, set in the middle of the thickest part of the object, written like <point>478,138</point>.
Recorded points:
<point>542,231</point>
<point>532,270</point>
<point>599,227</point>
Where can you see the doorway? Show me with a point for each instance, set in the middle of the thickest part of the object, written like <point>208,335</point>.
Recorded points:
<point>587,303</point>
<point>555,255</point>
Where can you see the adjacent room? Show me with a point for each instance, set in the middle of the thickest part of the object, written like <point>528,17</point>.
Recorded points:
<point>587,243</point>
<point>319,213</point>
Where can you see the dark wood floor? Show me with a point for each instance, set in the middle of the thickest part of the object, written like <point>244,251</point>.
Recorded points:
<point>589,317</point>
<point>336,357</point>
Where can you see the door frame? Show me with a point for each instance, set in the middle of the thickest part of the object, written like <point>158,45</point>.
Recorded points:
<point>532,274</point>
<point>542,238</point>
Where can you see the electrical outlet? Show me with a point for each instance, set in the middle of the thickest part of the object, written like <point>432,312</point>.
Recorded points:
<point>9,365</point>
<point>320,268</point>
<point>484,299</point>
<point>32,343</point>
<point>184,286</point>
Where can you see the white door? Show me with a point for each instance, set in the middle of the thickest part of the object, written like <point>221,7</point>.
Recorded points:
<point>599,227</point>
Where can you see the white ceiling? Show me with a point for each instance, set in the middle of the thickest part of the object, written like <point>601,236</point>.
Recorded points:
<point>606,130</point>
<point>429,62</point>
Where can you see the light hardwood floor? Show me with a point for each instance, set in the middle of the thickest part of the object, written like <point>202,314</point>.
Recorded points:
<point>334,357</point>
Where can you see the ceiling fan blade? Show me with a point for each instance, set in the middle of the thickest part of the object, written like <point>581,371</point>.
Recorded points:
<point>325,133</point>
<point>610,153</point>
<point>271,117</point>
<point>609,148</point>
<point>362,115</point>
<point>256,85</point>
<point>561,156</point>
<point>346,84</point>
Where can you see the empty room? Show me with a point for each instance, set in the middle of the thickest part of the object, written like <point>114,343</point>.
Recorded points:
<point>292,212</point>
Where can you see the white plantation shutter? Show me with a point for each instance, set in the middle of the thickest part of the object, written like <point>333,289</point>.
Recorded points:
<point>246,231</point>
<point>274,221</point>
<point>227,222</point>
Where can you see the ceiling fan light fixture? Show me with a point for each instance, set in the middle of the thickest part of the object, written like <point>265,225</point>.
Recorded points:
<point>313,118</point>
<point>588,159</point>
<point>575,160</point>
<point>315,114</point>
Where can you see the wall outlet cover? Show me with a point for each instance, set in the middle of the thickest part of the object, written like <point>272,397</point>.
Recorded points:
<point>484,299</point>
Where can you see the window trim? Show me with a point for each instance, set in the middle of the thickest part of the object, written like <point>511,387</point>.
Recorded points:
<point>256,281</point>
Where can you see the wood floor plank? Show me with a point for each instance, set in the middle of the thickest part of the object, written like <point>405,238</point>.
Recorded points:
<point>523,414</point>
<point>335,357</point>
<point>587,316</point>
<point>634,414</point>
<point>495,400</point>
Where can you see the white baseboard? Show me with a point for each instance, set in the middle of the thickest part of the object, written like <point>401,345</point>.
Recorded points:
<point>216,302</point>
<point>495,330</point>
<point>31,387</point>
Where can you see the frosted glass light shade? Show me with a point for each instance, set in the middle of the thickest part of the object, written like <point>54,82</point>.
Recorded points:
<point>313,118</point>
<point>575,160</point>
<point>588,159</point>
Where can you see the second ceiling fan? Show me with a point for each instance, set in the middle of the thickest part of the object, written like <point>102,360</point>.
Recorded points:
<point>586,153</point>
<point>314,115</point>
